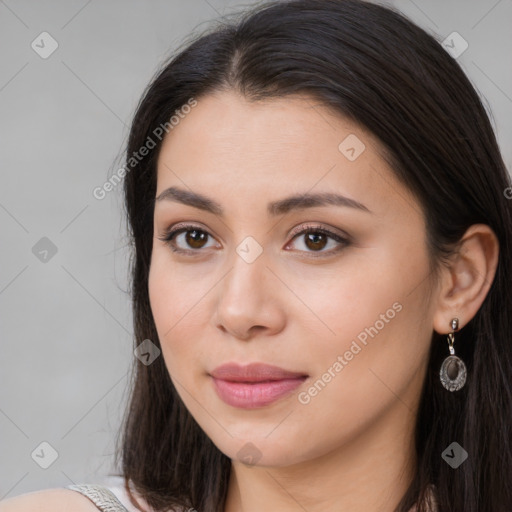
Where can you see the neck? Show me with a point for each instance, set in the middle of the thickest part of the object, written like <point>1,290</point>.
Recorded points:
<point>370,472</point>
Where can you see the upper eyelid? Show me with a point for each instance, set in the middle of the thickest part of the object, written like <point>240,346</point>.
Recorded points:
<point>321,227</point>
<point>184,226</point>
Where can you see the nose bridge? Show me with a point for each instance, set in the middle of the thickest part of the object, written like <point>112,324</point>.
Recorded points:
<point>248,268</point>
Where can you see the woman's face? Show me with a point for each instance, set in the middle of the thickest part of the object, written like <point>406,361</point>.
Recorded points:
<point>349,312</point>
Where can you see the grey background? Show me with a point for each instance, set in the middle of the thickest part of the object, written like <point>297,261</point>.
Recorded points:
<point>65,324</point>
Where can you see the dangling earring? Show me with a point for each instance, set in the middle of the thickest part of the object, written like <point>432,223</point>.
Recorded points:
<point>453,370</point>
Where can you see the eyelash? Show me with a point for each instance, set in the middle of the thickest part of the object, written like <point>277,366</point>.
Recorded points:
<point>170,234</point>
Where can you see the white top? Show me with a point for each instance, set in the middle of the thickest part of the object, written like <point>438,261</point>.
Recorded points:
<point>110,496</point>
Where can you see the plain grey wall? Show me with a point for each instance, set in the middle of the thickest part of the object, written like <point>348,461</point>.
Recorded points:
<point>65,320</point>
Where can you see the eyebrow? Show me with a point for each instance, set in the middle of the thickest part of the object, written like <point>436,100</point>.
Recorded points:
<point>275,208</point>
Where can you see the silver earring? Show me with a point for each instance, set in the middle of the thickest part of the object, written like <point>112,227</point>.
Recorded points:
<point>453,371</point>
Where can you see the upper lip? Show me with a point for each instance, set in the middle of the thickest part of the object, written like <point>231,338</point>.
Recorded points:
<point>254,372</point>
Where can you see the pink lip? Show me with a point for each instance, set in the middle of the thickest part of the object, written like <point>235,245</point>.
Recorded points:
<point>254,385</point>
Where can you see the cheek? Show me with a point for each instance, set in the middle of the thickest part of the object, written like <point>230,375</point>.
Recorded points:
<point>376,319</point>
<point>175,304</point>
<point>353,299</point>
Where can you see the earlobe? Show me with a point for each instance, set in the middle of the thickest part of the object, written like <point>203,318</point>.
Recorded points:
<point>468,278</point>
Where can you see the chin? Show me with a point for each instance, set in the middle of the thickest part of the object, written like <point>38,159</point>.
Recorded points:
<point>260,451</point>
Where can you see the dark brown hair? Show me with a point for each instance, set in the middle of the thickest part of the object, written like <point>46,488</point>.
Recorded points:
<point>371,65</point>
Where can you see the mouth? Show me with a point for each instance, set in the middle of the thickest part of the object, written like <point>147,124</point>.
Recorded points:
<point>255,385</point>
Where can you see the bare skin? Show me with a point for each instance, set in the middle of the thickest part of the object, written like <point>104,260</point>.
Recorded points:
<point>48,500</point>
<point>299,305</point>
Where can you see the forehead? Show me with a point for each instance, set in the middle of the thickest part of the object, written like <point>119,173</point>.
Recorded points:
<point>225,121</point>
<point>243,149</point>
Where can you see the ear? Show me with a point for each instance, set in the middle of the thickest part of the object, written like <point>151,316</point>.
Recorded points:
<point>468,278</point>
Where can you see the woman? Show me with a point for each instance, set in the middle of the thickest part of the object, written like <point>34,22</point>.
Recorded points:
<point>322,260</point>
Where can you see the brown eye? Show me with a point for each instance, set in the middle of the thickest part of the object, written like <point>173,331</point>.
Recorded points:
<point>190,240</point>
<point>195,238</point>
<point>187,239</point>
<point>316,241</point>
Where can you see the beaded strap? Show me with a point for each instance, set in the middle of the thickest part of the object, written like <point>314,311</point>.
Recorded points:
<point>102,497</point>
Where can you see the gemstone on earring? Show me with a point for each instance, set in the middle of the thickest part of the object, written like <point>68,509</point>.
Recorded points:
<point>453,373</point>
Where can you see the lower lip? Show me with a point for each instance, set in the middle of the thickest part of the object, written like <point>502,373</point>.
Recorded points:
<point>250,396</point>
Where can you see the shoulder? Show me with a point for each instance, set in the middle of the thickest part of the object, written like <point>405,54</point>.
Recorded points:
<point>48,500</point>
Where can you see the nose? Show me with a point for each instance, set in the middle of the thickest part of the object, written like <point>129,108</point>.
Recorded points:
<point>249,300</point>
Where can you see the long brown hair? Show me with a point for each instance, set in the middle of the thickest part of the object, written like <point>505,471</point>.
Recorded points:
<point>371,64</point>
